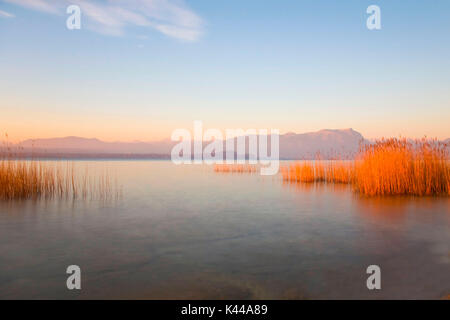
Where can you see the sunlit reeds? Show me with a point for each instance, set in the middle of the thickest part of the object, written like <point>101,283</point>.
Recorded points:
<point>22,179</point>
<point>401,167</point>
<point>235,168</point>
<point>387,167</point>
<point>340,172</point>
<point>300,172</point>
<point>319,171</point>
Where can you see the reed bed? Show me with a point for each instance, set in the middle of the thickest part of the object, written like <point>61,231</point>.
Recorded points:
<point>319,171</point>
<point>235,168</point>
<point>401,167</point>
<point>387,167</point>
<point>20,179</point>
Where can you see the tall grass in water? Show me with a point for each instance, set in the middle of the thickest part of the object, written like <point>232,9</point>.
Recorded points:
<point>319,171</point>
<point>387,167</point>
<point>300,172</point>
<point>400,167</point>
<point>235,168</point>
<point>20,179</point>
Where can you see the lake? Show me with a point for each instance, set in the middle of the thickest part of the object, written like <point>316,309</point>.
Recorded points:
<point>187,232</point>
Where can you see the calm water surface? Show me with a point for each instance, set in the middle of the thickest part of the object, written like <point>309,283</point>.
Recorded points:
<point>188,232</point>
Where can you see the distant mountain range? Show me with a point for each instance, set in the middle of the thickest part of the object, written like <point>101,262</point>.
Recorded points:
<point>339,143</point>
<point>327,143</point>
<point>85,145</point>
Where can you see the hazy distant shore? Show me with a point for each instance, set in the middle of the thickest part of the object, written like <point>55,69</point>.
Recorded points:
<point>81,156</point>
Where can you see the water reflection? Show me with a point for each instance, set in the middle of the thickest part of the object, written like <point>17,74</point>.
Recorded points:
<point>187,232</point>
<point>387,210</point>
<point>320,187</point>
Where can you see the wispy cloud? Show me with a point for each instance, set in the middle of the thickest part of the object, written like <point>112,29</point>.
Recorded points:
<point>170,17</point>
<point>41,5</point>
<point>4,14</point>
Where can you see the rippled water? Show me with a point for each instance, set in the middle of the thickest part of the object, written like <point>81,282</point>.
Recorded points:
<point>188,232</point>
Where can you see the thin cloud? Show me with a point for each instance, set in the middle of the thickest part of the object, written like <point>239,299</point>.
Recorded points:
<point>169,17</point>
<point>40,5</point>
<point>4,14</point>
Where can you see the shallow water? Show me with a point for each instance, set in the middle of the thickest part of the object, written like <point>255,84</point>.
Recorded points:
<point>188,232</point>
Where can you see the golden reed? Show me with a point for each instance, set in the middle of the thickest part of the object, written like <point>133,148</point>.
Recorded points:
<point>235,168</point>
<point>401,167</point>
<point>319,171</point>
<point>21,179</point>
<point>387,167</point>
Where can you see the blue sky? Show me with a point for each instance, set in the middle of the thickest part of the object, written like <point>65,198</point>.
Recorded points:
<point>139,69</point>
